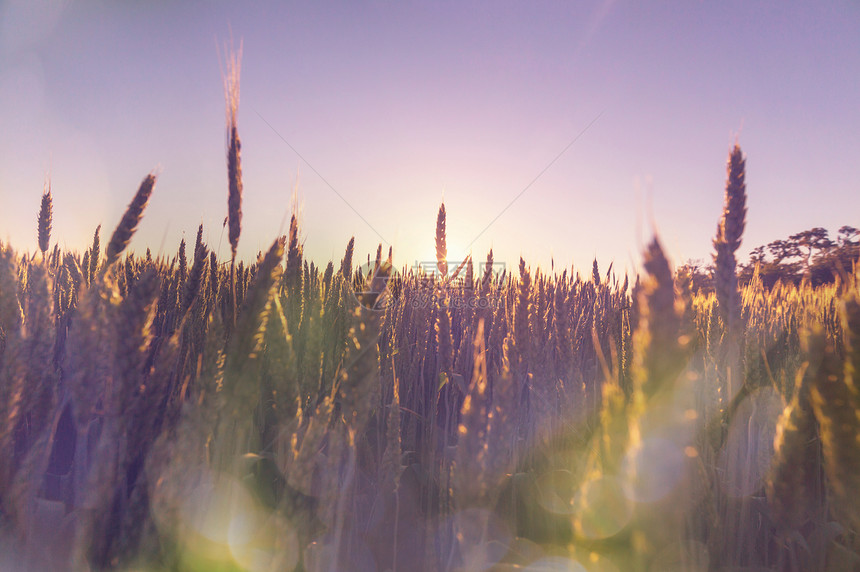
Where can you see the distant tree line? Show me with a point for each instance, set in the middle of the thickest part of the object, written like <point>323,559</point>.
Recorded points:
<point>809,255</point>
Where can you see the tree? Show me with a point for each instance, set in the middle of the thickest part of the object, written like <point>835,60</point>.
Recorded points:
<point>810,241</point>
<point>782,250</point>
<point>757,255</point>
<point>701,274</point>
<point>847,236</point>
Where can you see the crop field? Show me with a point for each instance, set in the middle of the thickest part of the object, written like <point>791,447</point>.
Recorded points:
<point>191,413</point>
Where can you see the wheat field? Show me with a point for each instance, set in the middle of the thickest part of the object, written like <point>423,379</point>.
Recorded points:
<point>191,413</point>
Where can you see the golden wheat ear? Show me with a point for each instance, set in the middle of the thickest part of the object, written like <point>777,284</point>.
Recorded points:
<point>441,245</point>
<point>791,484</point>
<point>836,403</point>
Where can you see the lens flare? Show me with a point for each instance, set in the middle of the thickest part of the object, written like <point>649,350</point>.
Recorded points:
<point>653,469</point>
<point>604,508</point>
<point>557,491</point>
<point>555,564</point>
<point>689,556</point>
<point>482,538</point>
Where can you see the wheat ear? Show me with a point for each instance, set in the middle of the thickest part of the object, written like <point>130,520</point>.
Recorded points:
<point>45,218</point>
<point>441,246</point>
<point>128,225</point>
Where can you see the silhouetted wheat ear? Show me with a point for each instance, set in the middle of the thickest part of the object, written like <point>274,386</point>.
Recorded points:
<point>441,246</point>
<point>234,147</point>
<point>728,239</point>
<point>735,210</point>
<point>45,218</point>
<point>92,265</point>
<point>293,273</point>
<point>470,273</point>
<point>346,263</point>
<point>488,271</point>
<point>658,357</point>
<point>128,225</point>
<point>195,278</point>
<point>198,242</point>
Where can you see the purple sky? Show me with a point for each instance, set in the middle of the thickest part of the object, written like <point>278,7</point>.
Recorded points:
<point>397,104</point>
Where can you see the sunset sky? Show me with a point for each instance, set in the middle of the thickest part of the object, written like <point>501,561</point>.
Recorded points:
<point>394,106</point>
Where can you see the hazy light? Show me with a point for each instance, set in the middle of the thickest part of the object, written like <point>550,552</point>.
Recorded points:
<point>557,491</point>
<point>320,556</point>
<point>605,508</point>
<point>654,468</point>
<point>482,537</point>
<point>555,564</point>
<point>688,556</point>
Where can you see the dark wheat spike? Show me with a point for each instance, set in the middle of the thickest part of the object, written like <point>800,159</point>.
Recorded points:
<point>45,218</point>
<point>213,277</point>
<point>195,279</point>
<point>488,271</point>
<point>293,272</point>
<point>728,239</point>
<point>658,353</point>
<point>199,241</point>
<point>128,225</point>
<point>346,264</point>
<point>734,214</point>
<point>183,261</point>
<point>234,148</point>
<point>95,254</point>
<point>470,273</point>
<point>327,276</point>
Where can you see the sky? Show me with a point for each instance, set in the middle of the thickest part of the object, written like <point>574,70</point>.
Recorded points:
<point>556,131</point>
